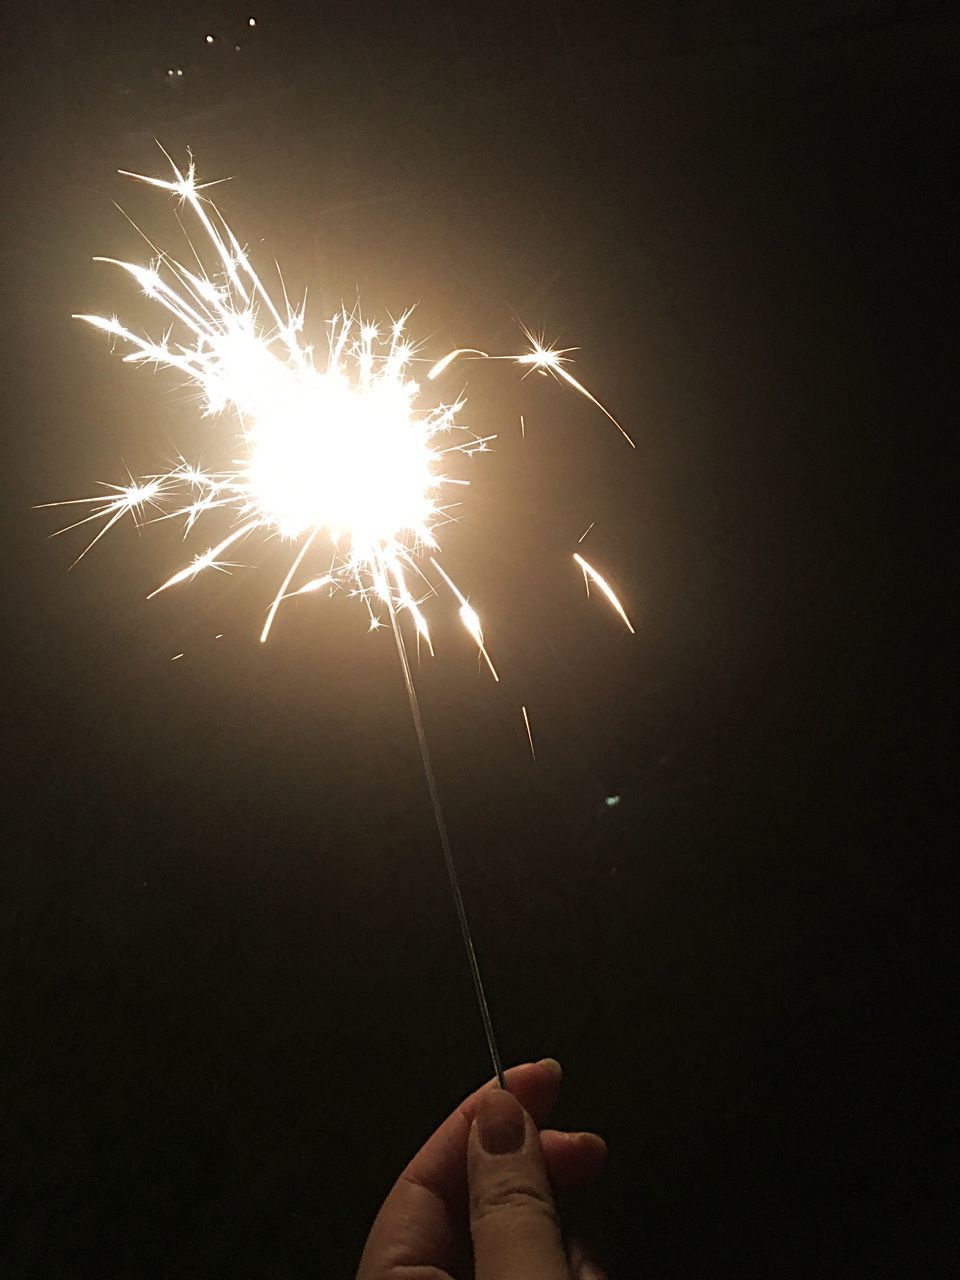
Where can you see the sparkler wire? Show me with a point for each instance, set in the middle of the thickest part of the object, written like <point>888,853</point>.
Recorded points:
<point>445,847</point>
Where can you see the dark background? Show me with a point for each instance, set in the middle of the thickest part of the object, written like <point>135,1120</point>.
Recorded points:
<point>234,998</point>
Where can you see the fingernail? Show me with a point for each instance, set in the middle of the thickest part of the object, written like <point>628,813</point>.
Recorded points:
<point>500,1123</point>
<point>553,1066</point>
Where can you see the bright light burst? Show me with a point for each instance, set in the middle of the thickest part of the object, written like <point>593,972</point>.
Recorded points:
<point>345,463</point>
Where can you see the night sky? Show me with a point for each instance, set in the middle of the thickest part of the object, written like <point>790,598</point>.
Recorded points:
<point>233,996</point>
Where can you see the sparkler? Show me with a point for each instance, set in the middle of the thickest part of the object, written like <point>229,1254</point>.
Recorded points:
<point>345,463</point>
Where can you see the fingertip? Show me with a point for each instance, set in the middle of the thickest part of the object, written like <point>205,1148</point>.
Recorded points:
<point>553,1066</point>
<point>573,1159</point>
<point>581,1138</point>
<point>591,1151</point>
<point>518,1072</point>
<point>595,1140</point>
<point>536,1084</point>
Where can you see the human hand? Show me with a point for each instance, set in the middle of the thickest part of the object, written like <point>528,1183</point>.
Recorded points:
<point>466,1181</point>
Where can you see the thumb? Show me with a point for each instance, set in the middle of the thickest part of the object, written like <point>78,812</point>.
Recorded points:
<point>513,1219</point>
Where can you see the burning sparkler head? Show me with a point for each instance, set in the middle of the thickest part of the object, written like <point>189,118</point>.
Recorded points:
<point>348,451</point>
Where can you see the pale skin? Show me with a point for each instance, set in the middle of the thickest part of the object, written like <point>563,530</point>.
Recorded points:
<point>461,1211</point>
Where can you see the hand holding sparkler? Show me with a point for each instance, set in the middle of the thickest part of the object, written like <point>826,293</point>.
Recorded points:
<point>488,1165</point>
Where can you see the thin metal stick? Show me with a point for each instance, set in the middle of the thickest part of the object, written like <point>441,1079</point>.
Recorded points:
<point>445,846</point>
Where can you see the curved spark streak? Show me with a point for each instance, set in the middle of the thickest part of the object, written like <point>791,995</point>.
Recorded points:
<point>608,591</point>
<point>540,358</point>
<point>282,590</point>
<point>469,618</point>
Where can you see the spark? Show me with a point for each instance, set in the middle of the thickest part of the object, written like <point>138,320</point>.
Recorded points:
<point>526,721</point>
<point>590,572</point>
<point>469,617</point>
<point>314,585</point>
<point>132,499</point>
<point>540,358</point>
<point>341,459</point>
<point>586,531</point>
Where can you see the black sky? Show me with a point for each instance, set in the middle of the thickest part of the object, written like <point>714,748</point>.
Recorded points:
<point>233,994</point>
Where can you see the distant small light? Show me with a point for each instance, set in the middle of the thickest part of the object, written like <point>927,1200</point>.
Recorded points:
<point>209,39</point>
<point>179,72</point>
<point>251,22</point>
<point>237,48</point>
<point>612,801</point>
<point>170,72</point>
